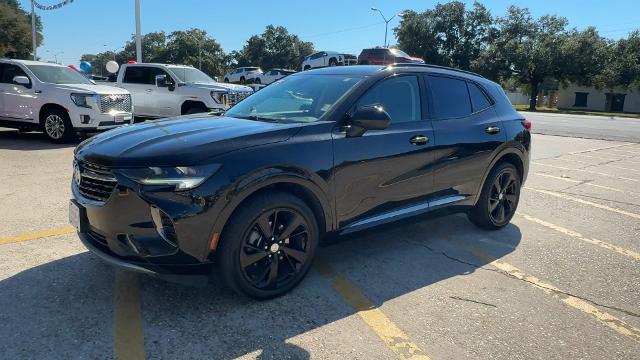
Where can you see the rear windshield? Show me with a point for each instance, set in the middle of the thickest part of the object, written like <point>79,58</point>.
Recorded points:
<point>399,53</point>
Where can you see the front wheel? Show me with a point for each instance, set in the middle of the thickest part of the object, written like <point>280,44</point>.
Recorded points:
<point>333,63</point>
<point>499,198</point>
<point>242,80</point>
<point>258,81</point>
<point>268,245</point>
<point>226,80</point>
<point>57,126</point>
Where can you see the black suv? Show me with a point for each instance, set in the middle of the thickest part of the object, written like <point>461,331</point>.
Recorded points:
<point>249,195</point>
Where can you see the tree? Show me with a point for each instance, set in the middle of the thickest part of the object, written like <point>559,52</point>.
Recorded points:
<point>193,47</point>
<point>446,35</point>
<point>274,48</point>
<point>528,49</point>
<point>621,66</point>
<point>15,30</point>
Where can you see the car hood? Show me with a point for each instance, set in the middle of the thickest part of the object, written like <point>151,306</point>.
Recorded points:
<point>219,86</point>
<point>181,141</point>
<point>90,88</point>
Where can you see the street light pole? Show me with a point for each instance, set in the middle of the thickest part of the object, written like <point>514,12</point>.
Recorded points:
<point>138,36</point>
<point>33,31</point>
<point>386,23</point>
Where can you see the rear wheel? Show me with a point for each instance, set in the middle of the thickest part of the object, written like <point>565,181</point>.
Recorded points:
<point>242,80</point>
<point>195,110</point>
<point>226,80</point>
<point>307,67</point>
<point>499,198</point>
<point>258,81</point>
<point>57,126</point>
<point>333,62</point>
<point>268,246</point>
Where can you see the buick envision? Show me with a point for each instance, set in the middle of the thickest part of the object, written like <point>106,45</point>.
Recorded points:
<point>248,196</point>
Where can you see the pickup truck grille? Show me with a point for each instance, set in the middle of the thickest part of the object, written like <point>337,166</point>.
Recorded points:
<point>96,182</point>
<point>233,98</point>
<point>115,102</point>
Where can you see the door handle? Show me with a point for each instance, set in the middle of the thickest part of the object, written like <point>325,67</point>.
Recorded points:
<point>419,140</point>
<point>492,130</point>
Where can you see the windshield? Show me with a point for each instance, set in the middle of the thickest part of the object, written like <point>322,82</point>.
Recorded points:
<point>58,74</point>
<point>301,98</point>
<point>191,75</point>
<point>399,53</point>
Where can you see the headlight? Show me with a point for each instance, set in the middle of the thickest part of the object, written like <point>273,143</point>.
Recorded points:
<point>181,177</point>
<point>218,96</point>
<point>81,99</point>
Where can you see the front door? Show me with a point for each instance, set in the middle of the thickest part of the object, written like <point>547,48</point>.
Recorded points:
<point>16,100</point>
<point>467,134</point>
<point>384,173</point>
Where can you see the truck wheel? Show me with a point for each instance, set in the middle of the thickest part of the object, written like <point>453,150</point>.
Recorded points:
<point>195,110</point>
<point>57,126</point>
<point>243,80</point>
<point>333,62</point>
<point>258,81</point>
<point>226,80</point>
<point>306,67</point>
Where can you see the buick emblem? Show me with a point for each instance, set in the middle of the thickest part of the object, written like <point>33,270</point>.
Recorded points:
<point>76,174</point>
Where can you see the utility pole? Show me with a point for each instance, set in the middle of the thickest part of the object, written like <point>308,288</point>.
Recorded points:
<point>33,31</point>
<point>138,36</point>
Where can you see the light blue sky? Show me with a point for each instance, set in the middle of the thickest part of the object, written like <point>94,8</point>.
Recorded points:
<point>86,26</point>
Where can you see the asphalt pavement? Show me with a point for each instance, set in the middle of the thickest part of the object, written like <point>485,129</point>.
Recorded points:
<point>585,126</point>
<point>560,282</point>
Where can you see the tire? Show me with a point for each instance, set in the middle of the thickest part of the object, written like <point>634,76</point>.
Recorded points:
<point>333,62</point>
<point>242,80</point>
<point>363,63</point>
<point>246,254</point>
<point>258,81</point>
<point>57,126</point>
<point>499,198</point>
<point>195,110</point>
<point>226,80</point>
<point>307,67</point>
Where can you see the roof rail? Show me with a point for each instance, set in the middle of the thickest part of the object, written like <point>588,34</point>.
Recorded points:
<point>437,67</point>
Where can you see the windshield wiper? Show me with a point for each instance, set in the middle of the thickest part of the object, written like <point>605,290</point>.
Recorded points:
<point>255,118</point>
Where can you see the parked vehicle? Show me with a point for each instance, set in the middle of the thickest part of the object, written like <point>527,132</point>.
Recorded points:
<point>385,56</point>
<point>335,150</point>
<point>270,76</point>
<point>241,74</point>
<point>161,90</point>
<point>60,101</point>
<point>326,58</point>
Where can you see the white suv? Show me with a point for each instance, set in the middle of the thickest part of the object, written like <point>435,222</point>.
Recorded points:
<point>43,96</point>
<point>270,76</point>
<point>242,74</point>
<point>322,59</point>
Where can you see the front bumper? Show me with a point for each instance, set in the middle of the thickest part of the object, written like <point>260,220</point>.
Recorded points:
<point>88,120</point>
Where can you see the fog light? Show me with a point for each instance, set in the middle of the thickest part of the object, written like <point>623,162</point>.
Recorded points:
<point>164,226</point>
<point>85,119</point>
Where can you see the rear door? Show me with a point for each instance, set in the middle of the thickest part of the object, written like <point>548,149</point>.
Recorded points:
<point>387,170</point>
<point>137,79</point>
<point>467,133</point>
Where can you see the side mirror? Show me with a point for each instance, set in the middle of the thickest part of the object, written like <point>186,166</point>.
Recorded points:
<point>22,80</point>
<point>368,118</point>
<point>161,80</point>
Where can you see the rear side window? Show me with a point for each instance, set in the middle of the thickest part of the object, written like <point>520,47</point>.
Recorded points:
<point>143,75</point>
<point>399,96</point>
<point>479,99</point>
<point>450,97</point>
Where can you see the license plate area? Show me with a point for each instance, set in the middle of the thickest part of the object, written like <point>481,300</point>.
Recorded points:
<point>122,118</point>
<point>77,216</point>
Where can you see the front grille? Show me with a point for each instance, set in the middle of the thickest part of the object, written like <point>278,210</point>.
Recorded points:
<point>115,102</point>
<point>233,98</point>
<point>96,182</point>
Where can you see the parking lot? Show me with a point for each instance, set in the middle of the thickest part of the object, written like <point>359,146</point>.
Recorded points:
<point>562,281</point>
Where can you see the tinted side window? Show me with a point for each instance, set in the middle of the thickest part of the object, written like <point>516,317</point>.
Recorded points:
<point>137,75</point>
<point>478,98</point>
<point>399,96</point>
<point>450,97</point>
<point>9,72</point>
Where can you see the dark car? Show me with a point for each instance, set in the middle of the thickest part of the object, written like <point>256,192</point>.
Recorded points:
<point>386,56</point>
<point>248,196</point>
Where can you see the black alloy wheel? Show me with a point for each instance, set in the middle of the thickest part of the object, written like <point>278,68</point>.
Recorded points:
<point>499,198</point>
<point>267,246</point>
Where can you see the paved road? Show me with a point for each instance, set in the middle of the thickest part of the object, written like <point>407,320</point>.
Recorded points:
<point>560,282</point>
<point>585,126</point>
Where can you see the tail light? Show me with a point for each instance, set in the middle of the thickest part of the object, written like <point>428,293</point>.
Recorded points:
<point>527,124</point>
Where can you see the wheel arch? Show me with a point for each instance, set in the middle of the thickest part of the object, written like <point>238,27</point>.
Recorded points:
<point>289,182</point>
<point>187,104</point>
<point>508,154</point>
<point>47,107</point>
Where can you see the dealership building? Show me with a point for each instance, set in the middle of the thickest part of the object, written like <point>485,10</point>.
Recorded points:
<point>588,98</point>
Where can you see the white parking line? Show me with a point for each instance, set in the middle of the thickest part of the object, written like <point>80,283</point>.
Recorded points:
<point>586,171</point>
<point>587,183</point>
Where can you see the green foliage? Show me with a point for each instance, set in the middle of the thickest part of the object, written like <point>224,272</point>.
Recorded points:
<point>448,35</point>
<point>621,64</point>
<point>274,48</point>
<point>15,30</point>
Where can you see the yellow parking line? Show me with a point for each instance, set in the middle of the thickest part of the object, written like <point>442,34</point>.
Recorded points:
<point>607,319</point>
<point>585,202</point>
<point>389,332</point>
<point>37,235</point>
<point>577,235</point>
<point>586,171</point>
<point>128,339</point>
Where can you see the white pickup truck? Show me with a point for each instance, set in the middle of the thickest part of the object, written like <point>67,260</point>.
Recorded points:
<point>58,100</point>
<point>162,90</point>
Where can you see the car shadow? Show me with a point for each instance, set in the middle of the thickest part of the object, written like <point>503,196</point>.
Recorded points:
<point>11,139</point>
<point>65,307</point>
